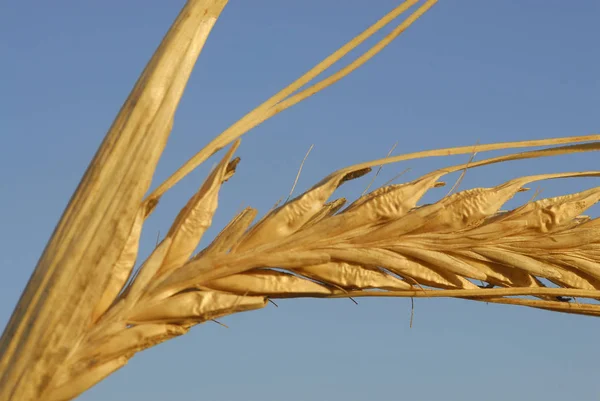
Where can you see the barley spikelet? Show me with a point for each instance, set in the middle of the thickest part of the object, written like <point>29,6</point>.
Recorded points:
<point>442,248</point>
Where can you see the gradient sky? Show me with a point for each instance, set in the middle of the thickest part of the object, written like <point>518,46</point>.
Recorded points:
<point>468,71</point>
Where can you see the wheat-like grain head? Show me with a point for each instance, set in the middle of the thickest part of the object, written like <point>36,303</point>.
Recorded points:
<point>543,254</point>
<point>382,244</point>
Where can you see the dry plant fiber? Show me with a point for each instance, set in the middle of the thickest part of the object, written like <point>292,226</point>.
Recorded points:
<point>86,311</point>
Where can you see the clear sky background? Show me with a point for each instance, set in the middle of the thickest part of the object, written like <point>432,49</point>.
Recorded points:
<point>467,71</point>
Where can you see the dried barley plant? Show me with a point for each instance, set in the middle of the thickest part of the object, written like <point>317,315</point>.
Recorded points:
<point>86,310</point>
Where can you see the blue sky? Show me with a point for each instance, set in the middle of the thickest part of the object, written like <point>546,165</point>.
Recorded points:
<point>468,71</point>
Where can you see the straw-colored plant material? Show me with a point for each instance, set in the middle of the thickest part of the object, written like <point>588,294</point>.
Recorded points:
<point>87,310</point>
<point>93,246</point>
<point>383,244</point>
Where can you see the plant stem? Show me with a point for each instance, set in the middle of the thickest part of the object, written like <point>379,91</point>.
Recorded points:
<point>71,275</point>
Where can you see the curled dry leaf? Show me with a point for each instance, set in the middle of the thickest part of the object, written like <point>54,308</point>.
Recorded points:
<point>519,261</point>
<point>196,216</point>
<point>271,283</point>
<point>546,215</point>
<point>582,263</point>
<point>392,202</point>
<point>352,277</point>
<point>143,280</point>
<point>198,306</point>
<point>384,204</point>
<point>203,270</point>
<point>469,208</point>
<point>409,223</point>
<point>288,218</point>
<point>496,273</point>
<point>328,210</point>
<point>230,235</point>
<point>440,261</point>
<point>573,278</point>
<point>420,272</point>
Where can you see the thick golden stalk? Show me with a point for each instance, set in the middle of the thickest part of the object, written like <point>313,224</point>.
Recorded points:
<point>73,272</point>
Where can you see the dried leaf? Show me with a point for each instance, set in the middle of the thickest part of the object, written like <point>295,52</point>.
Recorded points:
<point>350,276</point>
<point>196,216</point>
<point>572,278</point>
<point>546,215</point>
<point>581,263</point>
<point>440,261</point>
<point>131,340</point>
<point>201,271</point>
<point>196,305</point>
<point>230,234</point>
<point>498,274</point>
<point>407,224</point>
<point>513,259</point>
<point>391,204</point>
<point>467,209</point>
<point>329,209</point>
<point>267,282</point>
<point>147,272</point>
<point>288,218</point>
<point>400,265</point>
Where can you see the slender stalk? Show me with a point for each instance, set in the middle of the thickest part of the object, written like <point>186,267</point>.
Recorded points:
<point>286,98</point>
